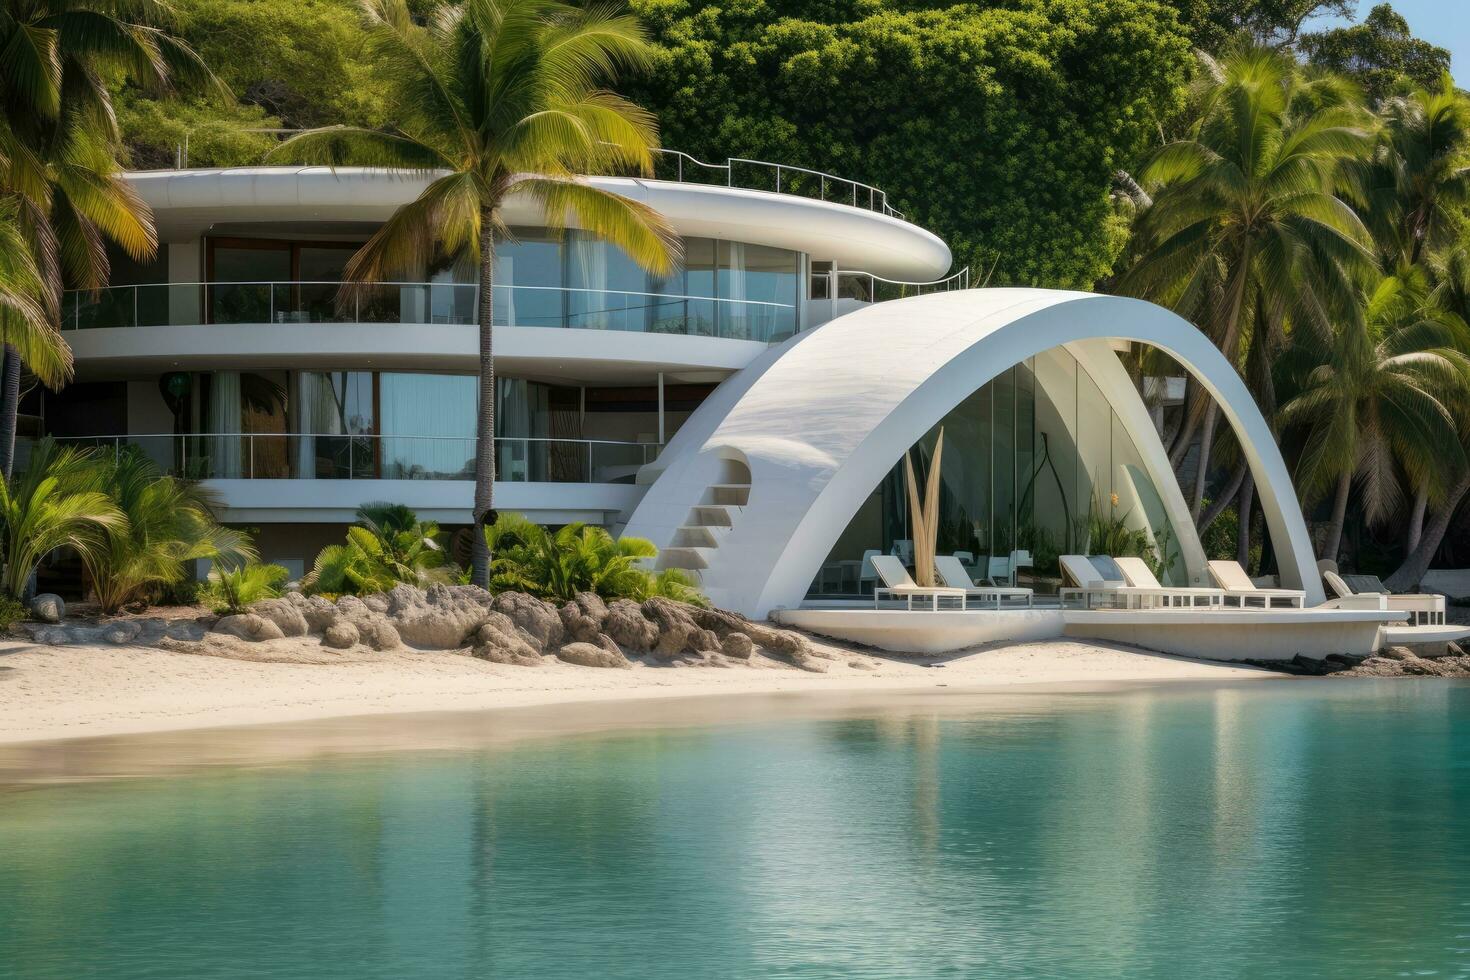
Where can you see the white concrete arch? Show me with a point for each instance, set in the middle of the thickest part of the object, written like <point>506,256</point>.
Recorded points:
<point>824,422</point>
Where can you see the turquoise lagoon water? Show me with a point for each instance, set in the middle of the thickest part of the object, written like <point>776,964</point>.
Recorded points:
<point>1293,829</point>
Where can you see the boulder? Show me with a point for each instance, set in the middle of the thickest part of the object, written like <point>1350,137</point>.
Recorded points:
<point>628,628</point>
<point>48,608</point>
<point>441,618</point>
<point>378,633</point>
<point>316,611</point>
<point>341,636</point>
<point>123,632</point>
<point>582,617</point>
<point>249,626</point>
<point>536,617</point>
<point>285,614</point>
<point>675,628</point>
<point>737,646</point>
<point>593,655</point>
<point>498,640</point>
<point>795,647</point>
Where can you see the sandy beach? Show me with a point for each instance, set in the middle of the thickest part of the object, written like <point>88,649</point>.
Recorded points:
<point>50,693</point>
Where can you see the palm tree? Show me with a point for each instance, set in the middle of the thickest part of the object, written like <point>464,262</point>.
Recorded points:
<point>1384,399</point>
<point>1416,185</point>
<point>59,501</point>
<point>495,98</point>
<point>58,166</point>
<point>1247,235</point>
<point>168,523</point>
<point>1451,293</point>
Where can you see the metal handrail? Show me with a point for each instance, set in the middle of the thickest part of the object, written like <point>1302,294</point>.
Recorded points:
<point>877,198</point>
<point>955,280</point>
<point>370,470</point>
<point>369,286</point>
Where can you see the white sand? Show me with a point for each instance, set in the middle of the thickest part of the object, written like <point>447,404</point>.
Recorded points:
<point>51,693</point>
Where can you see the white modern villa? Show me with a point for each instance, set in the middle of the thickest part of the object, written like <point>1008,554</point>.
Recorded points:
<point>749,414</point>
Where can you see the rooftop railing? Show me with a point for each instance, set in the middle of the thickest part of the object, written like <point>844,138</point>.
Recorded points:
<point>187,304</point>
<point>869,288</point>
<point>331,456</point>
<point>782,178</point>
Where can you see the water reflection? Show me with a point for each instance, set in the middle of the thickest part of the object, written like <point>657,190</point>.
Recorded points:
<point>1259,830</point>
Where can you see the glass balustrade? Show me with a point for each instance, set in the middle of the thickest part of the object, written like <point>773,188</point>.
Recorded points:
<point>187,304</point>
<point>274,456</point>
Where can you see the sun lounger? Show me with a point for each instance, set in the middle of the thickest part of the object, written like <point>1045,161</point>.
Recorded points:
<point>952,573</point>
<point>1101,576</point>
<point>1140,576</point>
<point>898,584</point>
<point>1367,592</point>
<point>1241,591</point>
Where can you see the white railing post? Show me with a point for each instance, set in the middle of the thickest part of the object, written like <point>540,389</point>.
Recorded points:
<point>270,315</point>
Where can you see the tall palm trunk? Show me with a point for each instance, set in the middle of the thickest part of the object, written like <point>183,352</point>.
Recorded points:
<point>1339,517</point>
<point>1411,572</point>
<point>485,424</point>
<point>1225,498</point>
<point>1202,471</point>
<point>9,409</point>
<point>1416,519</point>
<point>1247,501</point>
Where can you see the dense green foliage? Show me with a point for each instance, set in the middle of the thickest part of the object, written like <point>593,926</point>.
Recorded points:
<point>1379,54</point>
<point>389,545</point>
<point>289,63</point>
<point>579,558</point>
<point>997,127</point>
<point>230,591</point>
<point>167,524</point>
<point>58,501</point>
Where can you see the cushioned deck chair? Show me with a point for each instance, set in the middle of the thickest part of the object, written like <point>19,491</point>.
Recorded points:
<point>1140,576</point>
<point>1101,576</point>
<point>897,584</point>
<point>1241,591</point>
<point>1367,592</point>
<point>951,571</point>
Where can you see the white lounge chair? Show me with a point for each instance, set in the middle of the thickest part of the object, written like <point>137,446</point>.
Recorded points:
<point>1137,573</point>
<point>952,573</point>
<point>1101,576</point>
<point>1367,592</point>
<point>1238,587</point>
<point>899,585</point>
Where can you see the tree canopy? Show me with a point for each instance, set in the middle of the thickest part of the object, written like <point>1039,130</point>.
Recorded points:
<point>999,128</point>
<point>1378,54</point>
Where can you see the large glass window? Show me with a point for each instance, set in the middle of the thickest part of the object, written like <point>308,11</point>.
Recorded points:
<point>529,268</point>
<point>1035,465</point>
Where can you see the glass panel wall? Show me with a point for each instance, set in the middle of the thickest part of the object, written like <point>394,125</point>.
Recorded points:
<point>1035,465</point>
<point>542,279</point>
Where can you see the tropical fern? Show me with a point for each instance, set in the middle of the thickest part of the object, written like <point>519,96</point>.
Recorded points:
<point>233,590</point>
<point>579,558</point>
<point>168,523</point>
<point>388,546</point>
<point>58,501</point>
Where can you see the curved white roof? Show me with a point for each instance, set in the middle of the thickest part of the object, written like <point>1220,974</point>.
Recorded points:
<point>825,420</point>
<point>186,203</point>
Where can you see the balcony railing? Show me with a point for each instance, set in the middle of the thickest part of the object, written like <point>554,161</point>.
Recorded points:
<point>868,288</point>
<point>186,304</point>
<point>296,456</point>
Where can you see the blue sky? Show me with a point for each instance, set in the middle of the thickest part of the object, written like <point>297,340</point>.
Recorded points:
<point>1442,22</point>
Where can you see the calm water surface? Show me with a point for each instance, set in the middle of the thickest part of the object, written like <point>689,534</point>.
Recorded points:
<point>1260,830</point>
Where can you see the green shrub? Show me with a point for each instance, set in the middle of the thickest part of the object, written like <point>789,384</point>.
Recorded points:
<point>12,611</point>
<point>232,590</point>
<point>388,546</point>
<point>579,558</point>
<point>168,524</point>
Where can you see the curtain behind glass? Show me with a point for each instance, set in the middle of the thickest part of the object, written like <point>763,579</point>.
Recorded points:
<point>428,425</point>
<point>587,274</point>
<point>224,419</point>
